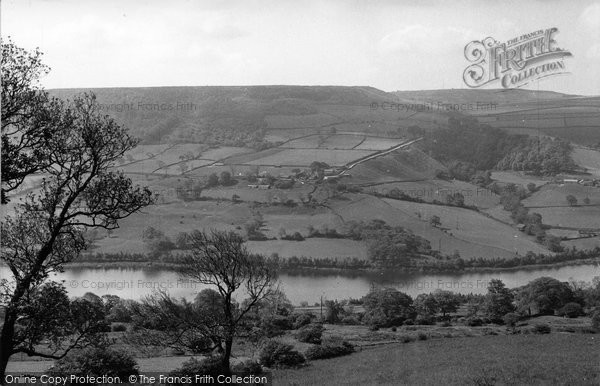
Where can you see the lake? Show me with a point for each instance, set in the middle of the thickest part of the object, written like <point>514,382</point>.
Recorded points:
<point>308,285</point>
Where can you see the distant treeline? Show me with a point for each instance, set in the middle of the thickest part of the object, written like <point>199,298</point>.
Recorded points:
<point>482,147</point>
<point>441,263</point>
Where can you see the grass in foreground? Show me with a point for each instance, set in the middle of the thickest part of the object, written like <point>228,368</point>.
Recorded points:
<point>554,359</point>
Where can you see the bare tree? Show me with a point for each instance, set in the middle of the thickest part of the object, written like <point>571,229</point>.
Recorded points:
<point>221,260</point>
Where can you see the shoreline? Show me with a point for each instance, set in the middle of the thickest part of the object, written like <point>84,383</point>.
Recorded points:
<point>172,266</point>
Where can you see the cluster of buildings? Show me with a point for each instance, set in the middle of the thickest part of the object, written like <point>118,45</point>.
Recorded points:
<point>265,181</point>
<point>582,181</point>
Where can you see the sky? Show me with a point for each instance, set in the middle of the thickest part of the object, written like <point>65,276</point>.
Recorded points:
<point>390,45</point>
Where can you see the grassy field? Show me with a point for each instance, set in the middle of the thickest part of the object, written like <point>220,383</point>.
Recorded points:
<point>587,158</point>
<point>332,248</point>
<point>517,178</point>
<point>435,189</point>
<point>555,195</point>
<point>471,239</point>
<point>556,359</point>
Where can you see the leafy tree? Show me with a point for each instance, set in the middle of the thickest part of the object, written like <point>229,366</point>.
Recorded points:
<point>531,187</point>
<point>50,325</point>
<point>586,201</point>
<point>446,301</point>
<point>29,116</point>
<point>387,307</point>
<point>80,190</point>
<point>225,178</point>
<point>213,180</point>
<point>498,300</point>
<point>543,295</point>
<point>435,221</point>
<point>334,311</point>
<point>426,305</point>
<point>571,200</point>
<point>220,259</point>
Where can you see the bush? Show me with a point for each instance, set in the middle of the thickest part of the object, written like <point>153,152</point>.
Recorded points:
<point>275,354</point>
<point>118,327</point>
<point>96,362</point>
<point>394,329</point>
<point>310,334</point>
<point>596,320</point>
<point>446,323</point>
<point>541,328</point>
<point>409,322</point>
<point>247,367</point>
<point>350,320</point>
<point>207,366</point>
<point>424,320</point>
<point>274,325</point>
<point>474,322</point>
<point>422,336</point>
<point>511,319</point>
<point>301,320</point>
<point>571,310</point>
<point>329,351</point>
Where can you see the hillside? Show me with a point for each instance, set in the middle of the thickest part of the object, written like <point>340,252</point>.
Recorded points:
<point>226,157</point>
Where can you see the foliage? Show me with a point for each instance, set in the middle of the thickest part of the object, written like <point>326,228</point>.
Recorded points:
<point>541,328</point>
<point>303,319</point>
<point>543,295</point>
<point>571,310</point>
<point>511,319</point>
<point>387,307</point>
<point>212,366</point>
<point>247,367</point>
<point>311,333</point>
<point>275,354</point>
<point>329,350</point>
<point>96,362</point>
<point>75,146</point>
<point>498,301</point>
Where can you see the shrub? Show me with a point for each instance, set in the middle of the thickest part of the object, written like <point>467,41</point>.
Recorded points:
<point>541,328</point>
<point>571,310</point>
<point>118,327</point>
<point>247,367</point>
<point>329,351</point>
<point>97,362</point>
<point>394,329</point>
<point>424,320</point>
<point>275,354</point>
<point>409,322</point>
<point>211,365</point>
<point>351,320</point>
<point>511,319</point>
<point>596,320</point>
<point>310,334</point>
<point>446,323</point>
<point>405,339</point>
<point>422,336</point>
<point>474,322</point>
<point>274,325</point>
<point>301,320</point>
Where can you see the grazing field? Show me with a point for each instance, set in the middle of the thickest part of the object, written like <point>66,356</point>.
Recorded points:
<point>510,177</point>
<point>572,217</point>
<point>587,158</point>
<point>314,247</point>
<point>556,359</point>
<point>402,165</point>
<point>470,240</point>
<point>555,195</point>
<point>373,143</point>
<point>304,157</point>
<point>435,189</point>
<point>470,226</point>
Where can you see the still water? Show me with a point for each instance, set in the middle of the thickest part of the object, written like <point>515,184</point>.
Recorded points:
<point>306,285</point>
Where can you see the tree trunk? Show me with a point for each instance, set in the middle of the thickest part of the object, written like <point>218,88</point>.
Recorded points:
<point>227,354</point>
<point>6,342</point>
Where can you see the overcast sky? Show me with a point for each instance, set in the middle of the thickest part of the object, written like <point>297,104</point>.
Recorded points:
<point>391,45</point>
